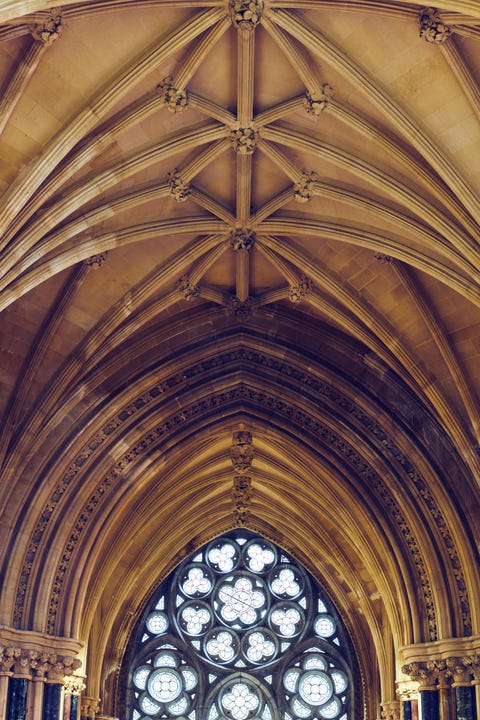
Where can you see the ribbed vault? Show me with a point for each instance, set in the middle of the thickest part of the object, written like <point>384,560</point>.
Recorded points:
<point>220,215</point>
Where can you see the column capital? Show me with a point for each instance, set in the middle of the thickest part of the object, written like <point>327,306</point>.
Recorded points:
<point>31,654</point>
<point>89,706</point>
<point>390,710</point>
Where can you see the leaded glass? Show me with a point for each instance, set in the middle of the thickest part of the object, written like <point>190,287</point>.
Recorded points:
<point>240,631</point>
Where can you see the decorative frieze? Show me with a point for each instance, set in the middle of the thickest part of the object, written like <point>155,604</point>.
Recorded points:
<point>303,188</point>
<point>246,14</point>
<point>179,189</point>
<point>50,30</point>
<point>27,662</point>
<point>242,240</point>
<point>432,29</point>
<point>175,100</point>
<point>318,103</point>
<point>244,140</point>
<point>187,289</point>
<point>241,452</point>
<point>298,292</point>
<point>455,670</point>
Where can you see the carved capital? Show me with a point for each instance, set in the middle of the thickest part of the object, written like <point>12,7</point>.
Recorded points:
<point>179,189</point>
<point>298,292</point>
<point>244,140</point>
<point>241,451</point>
<point>432,29</point>
<point>96,261</point>
<point>390,710</point>
<point>8,657</point>
<point>318,103</point>
<point>50,30</point>
<point>174,99</point>
<point>242,240</point>
<point>89,706</point>
<point>187,289</point>
<point>303,188</point>
<point>74,684</point>
<point>460,669</point>
<point>246,14</point>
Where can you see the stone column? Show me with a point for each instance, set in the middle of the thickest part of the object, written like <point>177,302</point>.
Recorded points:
<point>476,683</point>
<point>461,672</point>
<point>52,700</point>
<point>73,687</point>
<point>6,663</point>
<point>445,694</point>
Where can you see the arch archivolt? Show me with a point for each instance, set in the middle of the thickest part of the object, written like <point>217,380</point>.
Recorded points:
<point>359,469</point>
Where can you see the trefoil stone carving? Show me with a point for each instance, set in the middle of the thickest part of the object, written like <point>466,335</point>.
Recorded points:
<point>244,140</point>
<point>242,240</point>
<point>246,14</point>
<point>316,104</point>
<point>179,189</point>
<point>432,29</point>
<point>50,30</point>
<point>188,290</point>
<point>298,292</point>
<point>174,99</point>
<point>303,189</point>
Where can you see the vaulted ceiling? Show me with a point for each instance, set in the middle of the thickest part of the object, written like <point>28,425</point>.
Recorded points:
<point>260,216</point>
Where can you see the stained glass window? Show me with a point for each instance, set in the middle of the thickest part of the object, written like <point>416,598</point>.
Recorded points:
<point>240,631</point>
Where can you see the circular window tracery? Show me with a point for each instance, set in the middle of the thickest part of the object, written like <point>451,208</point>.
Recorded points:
<point>240,632</point>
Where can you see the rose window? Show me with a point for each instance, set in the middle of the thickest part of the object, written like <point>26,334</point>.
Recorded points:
<point>240,631</point>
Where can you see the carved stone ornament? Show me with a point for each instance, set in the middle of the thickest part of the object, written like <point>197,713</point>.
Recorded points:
<point>74,685</point>
<point>24,661</point>
<point>457,669</point>
<point>97,260</point>
<point>50,30</point>
<point>242,497</point>
<point>242,240</point>
<point>89,706</point>
<point>179,189</point>
<point>303,189</point>
<point>246,14</point>
<point>382,258</point>
<point>432,29</point>
<point>298,292</point>
<point>390,710</point>
<point>175,100</point>
<point>241,452</point>
<point>244,140</point>
<point>187,290</point>
<point>242,311</point>
<point>316,104</point>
